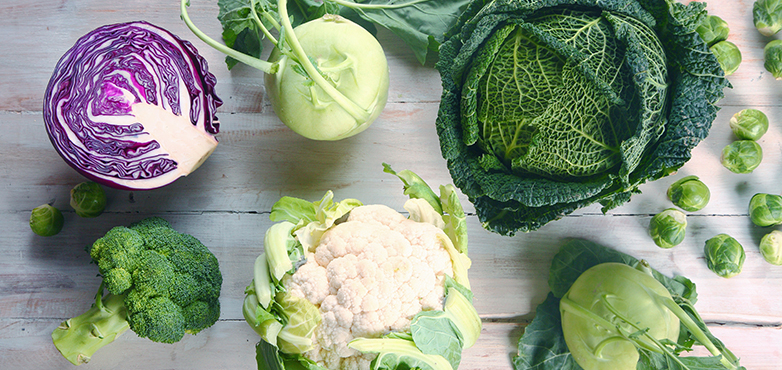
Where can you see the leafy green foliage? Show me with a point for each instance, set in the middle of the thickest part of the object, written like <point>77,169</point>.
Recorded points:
<point>550,106</point>
<point>543,347</point>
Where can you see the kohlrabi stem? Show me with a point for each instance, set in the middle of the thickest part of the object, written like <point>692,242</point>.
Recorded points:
<point>660,347</point>
<point>696,330</point>
<point>359,113</point>
<point>251,61</point>
<point>260,24</point>
<point>353,5</point>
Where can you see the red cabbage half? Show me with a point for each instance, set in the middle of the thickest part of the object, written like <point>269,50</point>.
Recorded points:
<point>132,106</point>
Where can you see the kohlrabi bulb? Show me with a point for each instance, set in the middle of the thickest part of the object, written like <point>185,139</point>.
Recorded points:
<point>724,255</point>
<point>767,16</point>
<point>667,228</point>
<point>749,124</point>
<point>88,199</point>
<point>771,247</point>
<point>713,29</point>
<point>765,209</point>
<point>605,306</point>
<point>45,220</point>
<point>728,55</point>
<point>772,58</point>
<point>354,66</point>
<point>689,193</point>
<point>742,156</point>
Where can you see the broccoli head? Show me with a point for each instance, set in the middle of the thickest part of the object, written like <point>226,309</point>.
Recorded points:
<point>161,283</point>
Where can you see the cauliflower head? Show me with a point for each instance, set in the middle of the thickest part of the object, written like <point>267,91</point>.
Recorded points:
<point>369,276</point>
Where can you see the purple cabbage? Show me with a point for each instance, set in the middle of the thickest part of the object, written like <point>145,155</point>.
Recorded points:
<point>132,106</point>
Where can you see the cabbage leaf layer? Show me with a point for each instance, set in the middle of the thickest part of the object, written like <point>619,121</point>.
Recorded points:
<point>550,106</point>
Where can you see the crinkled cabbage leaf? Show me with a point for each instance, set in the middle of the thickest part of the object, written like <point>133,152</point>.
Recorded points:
<point>550,106</point>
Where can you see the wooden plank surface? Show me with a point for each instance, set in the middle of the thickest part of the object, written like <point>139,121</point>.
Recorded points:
<point>226,202</point>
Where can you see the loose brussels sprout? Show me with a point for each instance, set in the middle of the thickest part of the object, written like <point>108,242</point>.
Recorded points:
<point>45,220</point>
<point>724,255</point>
<point>728,55</point>
<point>713,29</point>
<point>771,247</point>
<point>667,228</point>
<point>772,58</point>
<point>742,156</point>
<point>765,209</point>
<point>689,193</point>
<point>767,16</point>
<point>749,124</point>
<point>88,199</point>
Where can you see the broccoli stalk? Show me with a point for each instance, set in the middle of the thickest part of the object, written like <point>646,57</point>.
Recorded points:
<point>161,284</point>
<point>78,338</point>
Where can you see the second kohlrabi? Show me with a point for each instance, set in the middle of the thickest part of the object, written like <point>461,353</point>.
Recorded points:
<point>327,77</point>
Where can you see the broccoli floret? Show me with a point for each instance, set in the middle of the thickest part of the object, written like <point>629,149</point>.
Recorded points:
<point>161,283</point>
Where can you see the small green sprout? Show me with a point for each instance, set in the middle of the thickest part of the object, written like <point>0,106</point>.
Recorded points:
<point>771,247</point>
<point>767,16</point>
<point>728,55</point>
<point>713,29</point>
<point>689,193</point>
<point>667,228</point>
<point>742,156</point>
<point>765,209</point>
<point>749,124</point>
<point>724,255</point>
<point>45,220</point>
<point>88,199</point>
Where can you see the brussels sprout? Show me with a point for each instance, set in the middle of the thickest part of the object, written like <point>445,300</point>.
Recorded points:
<point>713,29</point>
<point>88,199</point>
<point>767,16</point>
<point>742,156</point>
<point>724,255</point>
<point>689,193</point>
<point>765,209</point>
<point>728,55</point>
<point>667,228</point>
<point>749,124</point>
<point>45,220</point>
<point>772,57</point>
<point>771,247</point>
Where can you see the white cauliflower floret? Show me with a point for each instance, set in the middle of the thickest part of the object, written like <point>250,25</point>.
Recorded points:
<point>369,276</point>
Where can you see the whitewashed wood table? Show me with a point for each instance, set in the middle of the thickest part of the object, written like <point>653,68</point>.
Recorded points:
<point>226,202</point>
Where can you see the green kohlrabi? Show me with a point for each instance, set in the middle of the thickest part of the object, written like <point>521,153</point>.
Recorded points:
<point>549,106</point>
<point>327,78</point>
<point>608,310</point>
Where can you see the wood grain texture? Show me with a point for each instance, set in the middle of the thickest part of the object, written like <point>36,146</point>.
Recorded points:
<point>226,202</point>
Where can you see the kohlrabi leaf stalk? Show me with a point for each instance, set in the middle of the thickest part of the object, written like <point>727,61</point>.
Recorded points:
<point>242,57</point>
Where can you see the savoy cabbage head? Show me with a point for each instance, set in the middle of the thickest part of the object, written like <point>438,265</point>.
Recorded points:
<point>552,105</point>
